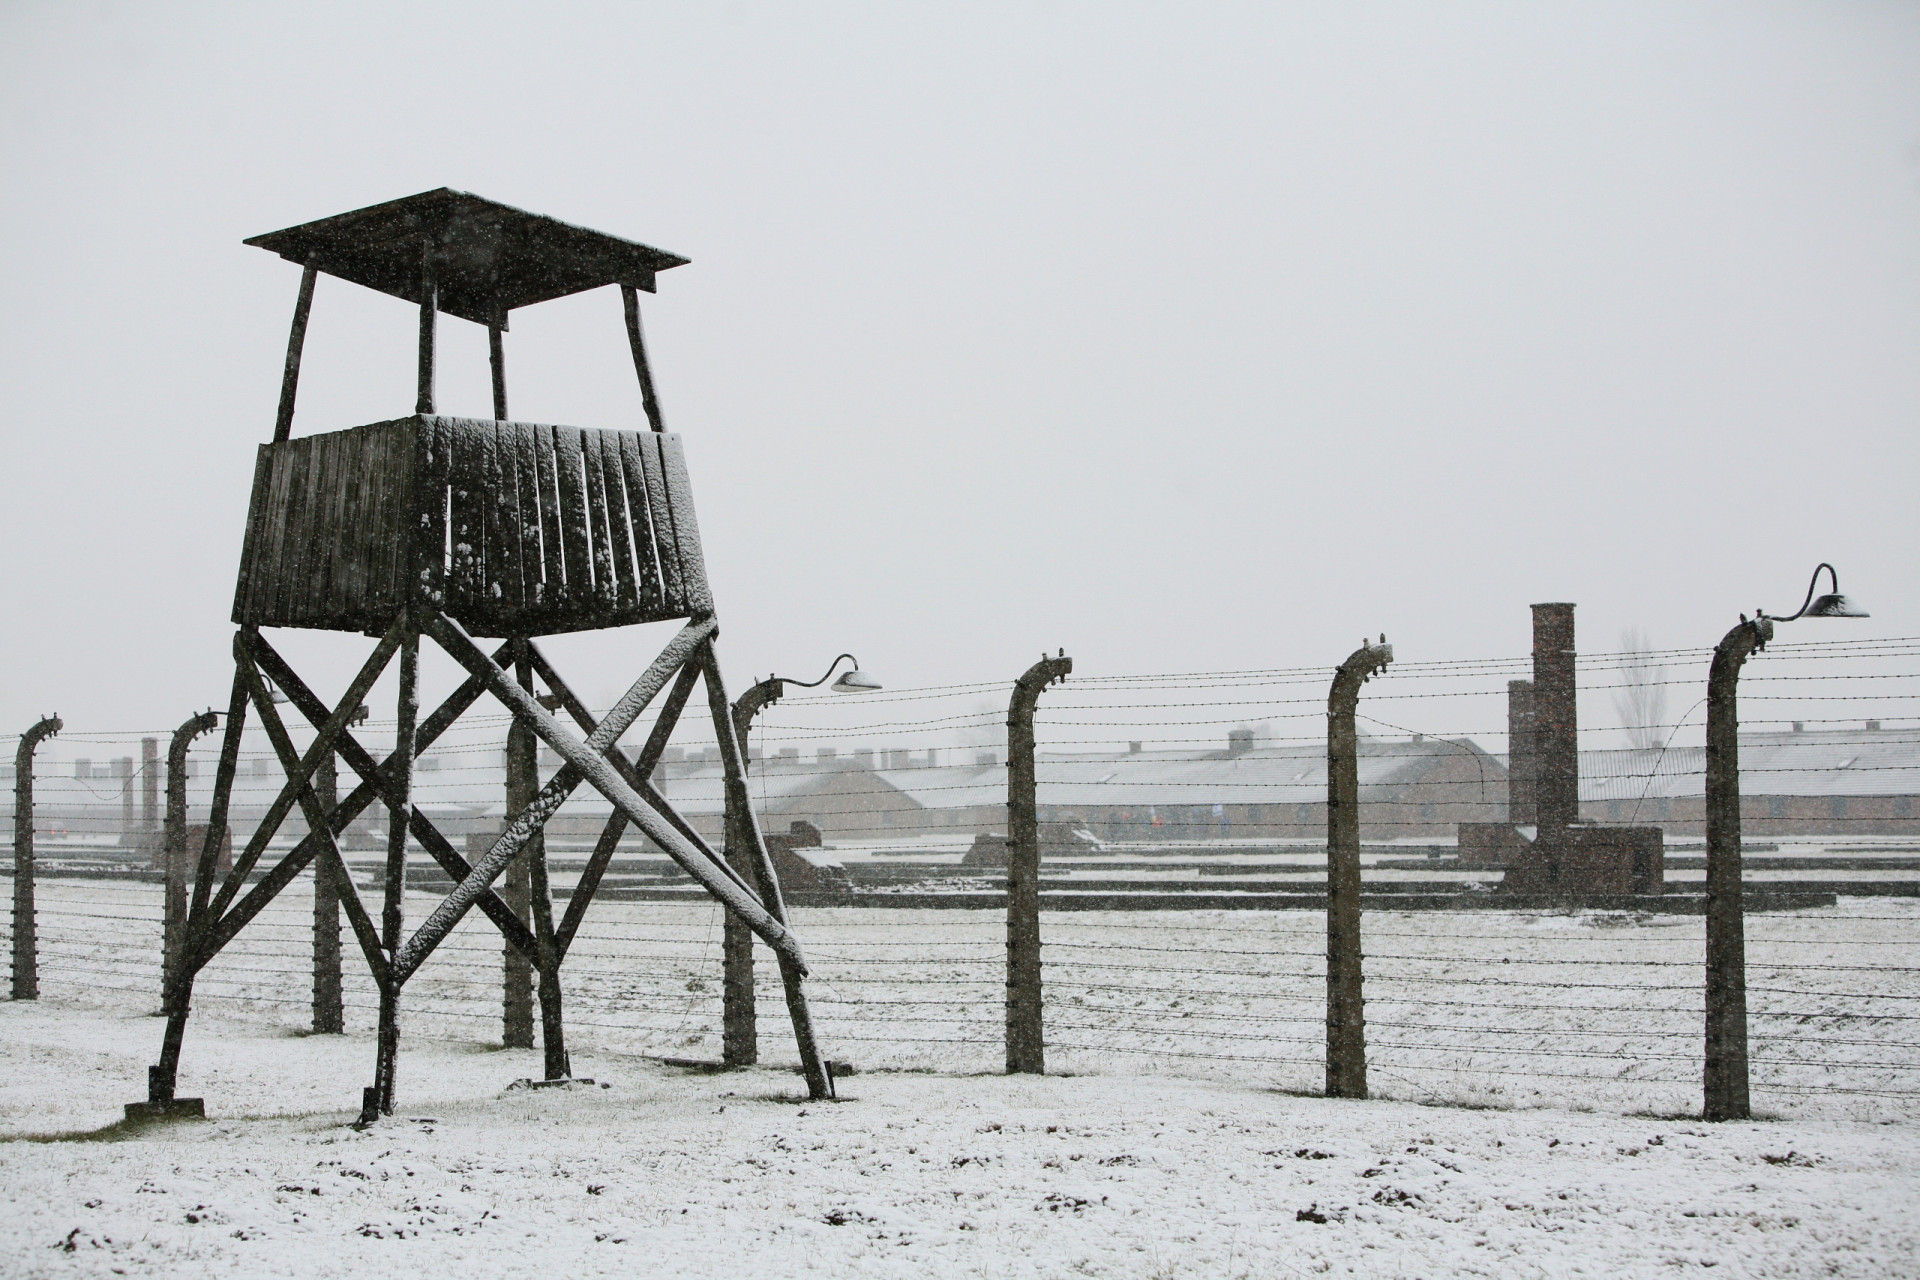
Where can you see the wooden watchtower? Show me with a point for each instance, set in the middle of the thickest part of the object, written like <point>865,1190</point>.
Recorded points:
<point>454,528</point>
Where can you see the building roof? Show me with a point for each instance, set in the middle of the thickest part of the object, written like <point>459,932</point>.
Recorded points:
<point>699,787</point>
<point>1292,773</point>
<point>1829,762</point>
<point>489,257</point>
<point>1295,773</point>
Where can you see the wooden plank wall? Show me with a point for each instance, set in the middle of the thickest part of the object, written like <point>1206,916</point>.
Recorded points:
<point>514,528</point>
<point>326,535</point>
<point>566,528</point>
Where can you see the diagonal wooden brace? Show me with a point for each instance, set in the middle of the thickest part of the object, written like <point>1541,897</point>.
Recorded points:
<point>227,927</point>
<point>317,827</point>
<point>631,771</point>
<point>589,882</point>
<point>550,797</point>
<point>587,761</point>
<point>361,761</point>
<point>656,746</point>
<point>298,777</point>
<point>198,915</point>
<point>734,768</point>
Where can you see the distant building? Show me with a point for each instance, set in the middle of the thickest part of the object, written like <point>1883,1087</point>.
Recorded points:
<point>1827,782</point>
<point>1860,781</point>
<point>1413,788</point>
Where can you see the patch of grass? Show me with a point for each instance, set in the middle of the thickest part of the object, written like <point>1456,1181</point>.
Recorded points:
<point>118,1131</point>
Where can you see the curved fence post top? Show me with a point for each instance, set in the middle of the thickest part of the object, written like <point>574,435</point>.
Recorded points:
<point>1368,660</point>
<point>1027,689</point>
<point>32,738</point>
<point>191,728</point>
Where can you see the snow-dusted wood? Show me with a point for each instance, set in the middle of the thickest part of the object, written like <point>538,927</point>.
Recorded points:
<point>515,529</point>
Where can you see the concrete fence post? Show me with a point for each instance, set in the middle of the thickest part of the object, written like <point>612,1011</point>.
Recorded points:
<point>174,851</point>
<point>1725,1072</point>
<point>1346,1019</point>
<point>1026,1038</point>
<point>739,1025</point>
<point>26,953</point>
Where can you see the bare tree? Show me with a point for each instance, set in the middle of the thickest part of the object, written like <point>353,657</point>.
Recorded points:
<point>1641,700</point>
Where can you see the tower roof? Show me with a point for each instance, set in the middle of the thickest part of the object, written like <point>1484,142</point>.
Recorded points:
<point>488,257</point>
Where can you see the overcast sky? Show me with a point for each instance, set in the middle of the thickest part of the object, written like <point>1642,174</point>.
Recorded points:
<point>1182,337</point>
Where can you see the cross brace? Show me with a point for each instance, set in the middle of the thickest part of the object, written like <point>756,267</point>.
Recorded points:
<point>218,914</point>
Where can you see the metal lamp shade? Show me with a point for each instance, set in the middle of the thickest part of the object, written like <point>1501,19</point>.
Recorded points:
<point>855,681</point>
<point>1835,605</point>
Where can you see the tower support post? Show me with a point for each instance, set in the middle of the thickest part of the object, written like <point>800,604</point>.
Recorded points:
<point>642,367</point>
<point>329,1014</point>
<point>379,1101</point>
<point>163,1075</point>
<point>296,343</point>
<point>533,859</point>
<point>429,317</point>
<point>516,996</point>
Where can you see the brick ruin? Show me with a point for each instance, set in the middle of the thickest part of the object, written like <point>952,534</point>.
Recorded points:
<point>1544,846</point>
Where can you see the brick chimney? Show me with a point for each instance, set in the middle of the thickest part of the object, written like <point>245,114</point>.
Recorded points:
<point>1556,736</point>
<point>123,773</point>
<point>1522,762</point>
<point>149,784</point>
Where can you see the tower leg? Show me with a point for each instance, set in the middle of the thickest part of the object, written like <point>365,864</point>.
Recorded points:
<point>516,973</point>
<point>553,1034</point>
<point>592,761</point>
<point>379,1099</point>
<point>739,1028</point>
<point>328,1014</point>
<point>740,814</point>
<point>553,1037</point>
<point>164,1075</point>
<point>523,783</point>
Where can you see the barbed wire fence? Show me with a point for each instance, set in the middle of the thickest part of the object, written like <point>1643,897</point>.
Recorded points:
<point>1188,934</point>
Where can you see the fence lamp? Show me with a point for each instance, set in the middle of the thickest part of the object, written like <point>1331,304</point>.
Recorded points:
<point>756,699</point>
<point>1830,605</point>
<point>1752,635</point>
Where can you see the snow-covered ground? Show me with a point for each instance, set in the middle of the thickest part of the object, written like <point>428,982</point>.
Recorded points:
<point>665,1173</point>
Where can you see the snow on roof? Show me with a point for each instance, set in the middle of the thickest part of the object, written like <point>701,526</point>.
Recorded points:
<point>1294,773</point>
<point>1831,762</point>
<point>489,257</point>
